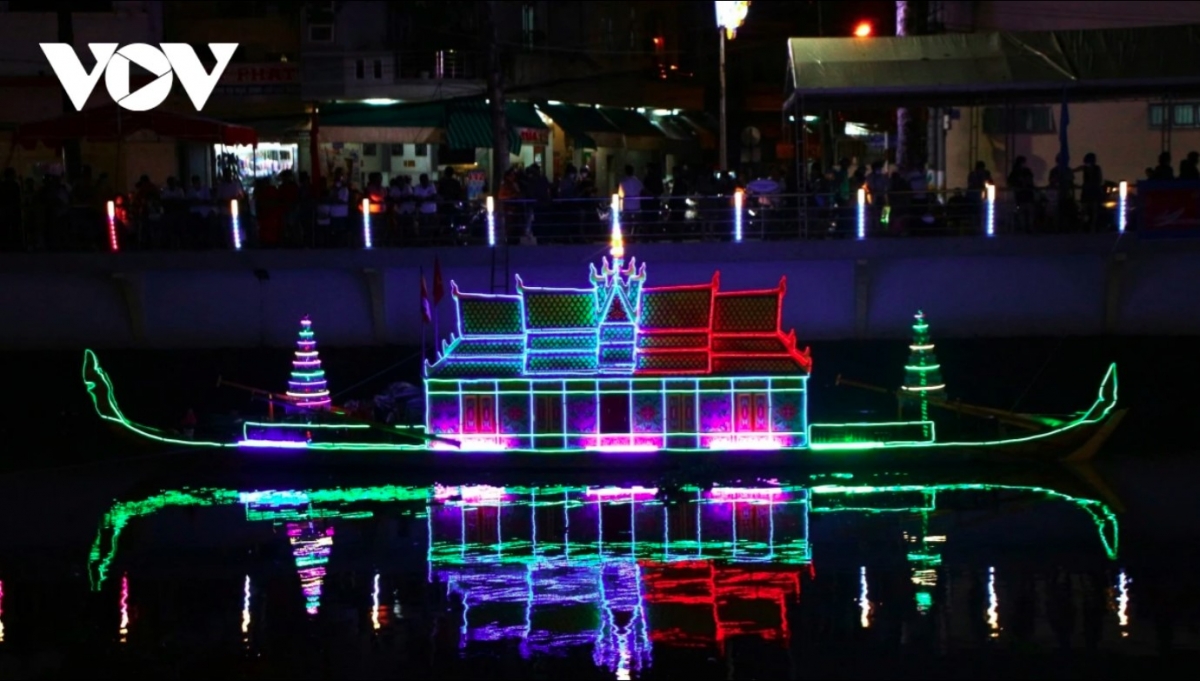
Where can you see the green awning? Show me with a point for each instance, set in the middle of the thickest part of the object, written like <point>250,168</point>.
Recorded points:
<point>420,115</point>
<point>630,122</point>
<point>578,121</point>
<point>469,124</point>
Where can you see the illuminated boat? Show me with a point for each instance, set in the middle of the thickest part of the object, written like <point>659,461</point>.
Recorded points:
<point>623,368</point>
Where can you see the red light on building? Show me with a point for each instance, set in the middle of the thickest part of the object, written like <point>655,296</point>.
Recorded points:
<point>863,29</point>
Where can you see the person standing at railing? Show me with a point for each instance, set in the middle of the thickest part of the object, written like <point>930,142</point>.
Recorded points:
<point>977,182</point>
<point>877,194</point>
<point>652,192</point>
<point>400,207</point>
<point>288,198</point>
<point>426,195</point>
<point>567,213</point>
<point>681,189</point>
<point>200,214</point>
<point>1163,172</point>
<point>1020,183</point>
<point>450,197</point>
<point>1091,193</point>
<point>1189,168</point>
<point>339,210</point>
<point>268,212</point>
<point>10,211</point>
<point>631,199</point>
<point>510,206</point>
<point>175,214</point>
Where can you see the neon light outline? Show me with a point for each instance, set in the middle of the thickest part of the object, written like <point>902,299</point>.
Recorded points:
<point>861,213</point>
<point>738,201</point>
<point>108,410</point>
<point>113,245</point>
<point>366,212</point>
<point>235,225</point>
<point>491,222</point>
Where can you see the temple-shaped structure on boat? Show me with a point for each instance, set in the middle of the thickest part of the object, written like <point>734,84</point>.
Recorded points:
<point>620,366</point>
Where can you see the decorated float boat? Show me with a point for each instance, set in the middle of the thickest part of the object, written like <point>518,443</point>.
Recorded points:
<point>622,367</point>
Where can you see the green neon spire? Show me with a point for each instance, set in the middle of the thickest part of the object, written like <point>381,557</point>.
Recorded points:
<point>923,373</point>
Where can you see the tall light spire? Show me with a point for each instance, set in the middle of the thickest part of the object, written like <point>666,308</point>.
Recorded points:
<point>617,242</point>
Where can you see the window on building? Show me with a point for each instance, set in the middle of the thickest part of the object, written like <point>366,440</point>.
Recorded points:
<point>320,33</point>
<point>421,150</point>
<point>1028,120</point>
<point>378,69</point>
<point>370,149</point>
<point>397,150</point>
<point>529,24</point>
<point>1183,115</point>
<point>360,69</point>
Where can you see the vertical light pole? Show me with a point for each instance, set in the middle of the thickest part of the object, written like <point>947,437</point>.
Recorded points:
<point>1122,204</point>
<point>730,15</point>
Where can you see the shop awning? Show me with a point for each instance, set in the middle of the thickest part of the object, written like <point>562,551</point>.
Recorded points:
<point>640,134</point>
<point>418,123</point>
<point>582,123</point>
<point>469,124</point>
<point>963,69</point>
<point>112,123</point>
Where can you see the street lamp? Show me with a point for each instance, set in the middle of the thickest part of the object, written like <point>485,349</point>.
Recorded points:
<point>730,16</point>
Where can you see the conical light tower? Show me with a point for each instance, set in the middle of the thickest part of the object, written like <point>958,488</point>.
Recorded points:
<point>307,387</point>
<point>923,374</point>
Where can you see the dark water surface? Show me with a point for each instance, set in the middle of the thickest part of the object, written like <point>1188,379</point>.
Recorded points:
<point>125,562</point>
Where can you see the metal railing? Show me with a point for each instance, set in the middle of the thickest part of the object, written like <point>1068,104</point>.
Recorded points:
<point>184,225</point>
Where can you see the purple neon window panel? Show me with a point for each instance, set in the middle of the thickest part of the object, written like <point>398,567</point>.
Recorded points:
<point>581,413</point>
<point>647,413</point>
<point>715,415</point>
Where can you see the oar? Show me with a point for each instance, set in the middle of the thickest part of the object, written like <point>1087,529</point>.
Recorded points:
<point>1005,417</point>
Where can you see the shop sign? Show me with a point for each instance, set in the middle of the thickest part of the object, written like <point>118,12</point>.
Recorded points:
<point>534,136</point>
<point>269,78</point>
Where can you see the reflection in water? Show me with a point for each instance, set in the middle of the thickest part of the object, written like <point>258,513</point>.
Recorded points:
<point>617,572</point>
<point>993,611</point>
<point>864,601</point>
<point>375,604</point>
<point>124,628</point>
<point>312,543</point>
<point>1122,604</point>
<point>1,611</point>
<point>246,611</point>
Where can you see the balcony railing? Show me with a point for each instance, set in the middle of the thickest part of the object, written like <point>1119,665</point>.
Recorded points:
<point>183,225</point>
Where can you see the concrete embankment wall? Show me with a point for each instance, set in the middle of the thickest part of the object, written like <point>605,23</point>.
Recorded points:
<point>1004,287</point>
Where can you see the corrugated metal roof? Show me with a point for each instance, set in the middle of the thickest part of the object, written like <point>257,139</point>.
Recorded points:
<point>949,69</point>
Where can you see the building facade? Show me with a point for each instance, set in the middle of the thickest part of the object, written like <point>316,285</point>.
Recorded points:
<point>1126,136</point>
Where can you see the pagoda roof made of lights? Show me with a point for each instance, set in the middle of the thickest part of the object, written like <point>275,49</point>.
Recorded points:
<point>692,330</point>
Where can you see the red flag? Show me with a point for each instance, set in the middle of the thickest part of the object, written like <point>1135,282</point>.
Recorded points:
<point>438,289</point>
<point>426,312</point>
